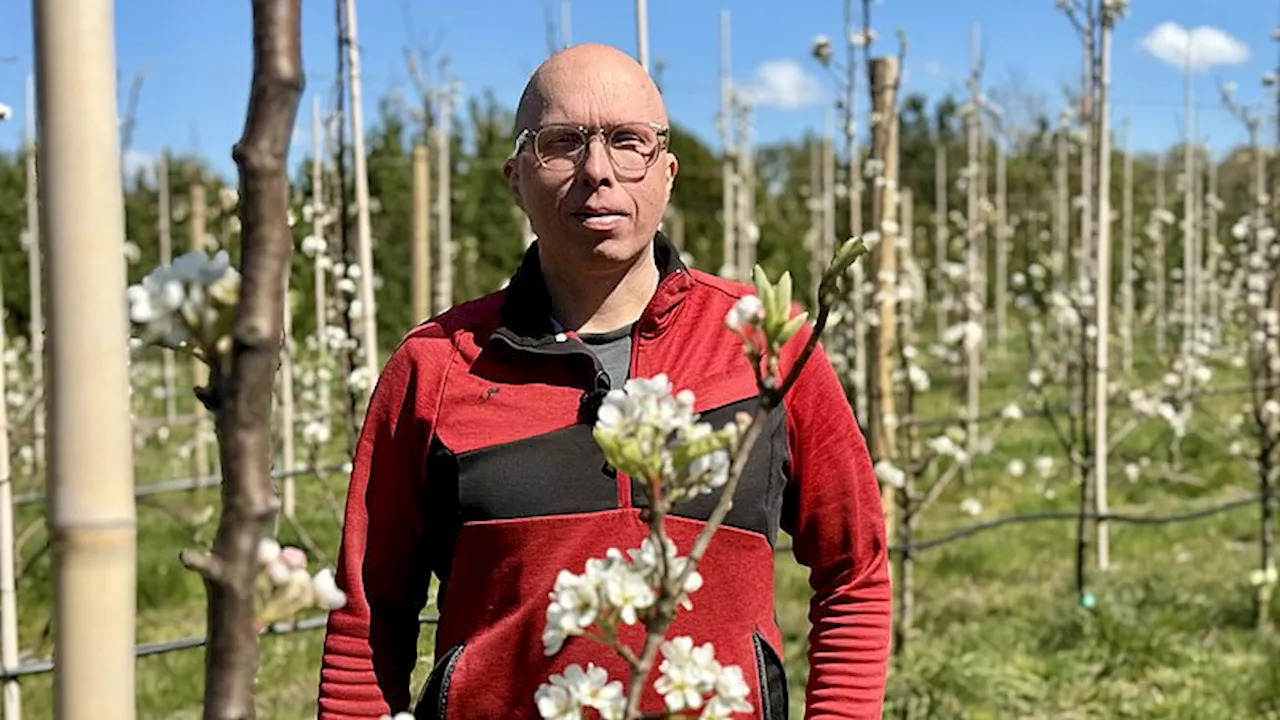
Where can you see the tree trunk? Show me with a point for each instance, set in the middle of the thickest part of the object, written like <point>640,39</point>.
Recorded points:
<point>241,391</point>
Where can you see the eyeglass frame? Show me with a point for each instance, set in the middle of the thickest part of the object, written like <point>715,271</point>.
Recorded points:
<point>664,141</point>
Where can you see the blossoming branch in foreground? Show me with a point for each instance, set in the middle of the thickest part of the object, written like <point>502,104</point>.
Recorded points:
<point>189,302</point>
<point>653,434</point>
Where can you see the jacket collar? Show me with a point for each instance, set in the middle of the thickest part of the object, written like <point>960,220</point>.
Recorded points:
<point>526,309</point>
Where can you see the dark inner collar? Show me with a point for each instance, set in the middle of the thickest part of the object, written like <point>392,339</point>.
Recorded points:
<point>526,311</point>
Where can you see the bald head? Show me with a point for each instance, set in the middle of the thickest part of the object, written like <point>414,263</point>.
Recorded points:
<point>590,70</point>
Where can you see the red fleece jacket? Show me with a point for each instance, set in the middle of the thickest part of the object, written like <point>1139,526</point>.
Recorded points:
<point>475,464</point>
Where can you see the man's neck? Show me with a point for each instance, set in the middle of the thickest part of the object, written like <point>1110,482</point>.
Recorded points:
<point>599,302</point>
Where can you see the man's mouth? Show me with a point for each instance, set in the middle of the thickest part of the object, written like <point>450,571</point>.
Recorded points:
<point>600,219</point>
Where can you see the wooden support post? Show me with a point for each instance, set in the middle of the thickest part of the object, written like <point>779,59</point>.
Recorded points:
<point>421,254</point>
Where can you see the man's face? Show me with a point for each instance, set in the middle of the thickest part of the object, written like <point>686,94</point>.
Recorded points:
<point>597,212</point>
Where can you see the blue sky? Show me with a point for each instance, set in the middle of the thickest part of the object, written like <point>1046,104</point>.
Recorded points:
<point>196,57</point>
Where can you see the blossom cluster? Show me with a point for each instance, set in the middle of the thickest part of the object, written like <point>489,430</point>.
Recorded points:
<point>189,302</point>
<point>623,589</point>
<point>647,432</point>
<point>691,673</point>
<point>575,688</point>
<point>615,589</point>
<point>286,586</point>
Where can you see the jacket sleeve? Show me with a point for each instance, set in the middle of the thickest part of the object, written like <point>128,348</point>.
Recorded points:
<point>370,645</point>
<point>834,514</point>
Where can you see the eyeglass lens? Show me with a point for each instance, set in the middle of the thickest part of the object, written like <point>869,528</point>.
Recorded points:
<point>631,147</point>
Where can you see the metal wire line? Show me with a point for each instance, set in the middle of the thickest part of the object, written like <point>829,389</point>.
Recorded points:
<point>38,667</point>
<point>190,483</point>
<point>41,667</point>
<point>1119,517</point>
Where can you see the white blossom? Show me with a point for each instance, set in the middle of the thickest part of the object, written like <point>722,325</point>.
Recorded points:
<point>887,472</point>
<point>747,312</point>
<point>576,688</point>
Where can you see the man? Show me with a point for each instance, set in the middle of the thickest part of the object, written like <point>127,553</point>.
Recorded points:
<point>477,463</point>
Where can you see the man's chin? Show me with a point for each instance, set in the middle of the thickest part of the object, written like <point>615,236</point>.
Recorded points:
<point>617,248</point>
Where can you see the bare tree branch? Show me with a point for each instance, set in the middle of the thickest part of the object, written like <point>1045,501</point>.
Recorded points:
<point>240,388</point>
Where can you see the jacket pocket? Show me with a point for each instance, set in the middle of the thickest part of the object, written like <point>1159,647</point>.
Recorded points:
<point>775,701</point>
<point>433,704</point>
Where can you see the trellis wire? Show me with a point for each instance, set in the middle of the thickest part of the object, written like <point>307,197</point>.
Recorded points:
<point>43,667</point>
<point>192,483</point>
<point>39,667</point>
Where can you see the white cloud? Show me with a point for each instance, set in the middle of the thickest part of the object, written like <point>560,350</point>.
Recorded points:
<point>135,161</point>
<point>1207,46</point>
<point>783,85</point>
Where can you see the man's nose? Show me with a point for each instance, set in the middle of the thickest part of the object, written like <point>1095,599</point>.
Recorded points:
<point>596,166</point>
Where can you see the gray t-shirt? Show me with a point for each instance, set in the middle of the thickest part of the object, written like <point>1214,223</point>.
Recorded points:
<point>613,349</point>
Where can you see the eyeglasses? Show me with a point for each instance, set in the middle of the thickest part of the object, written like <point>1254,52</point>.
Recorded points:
<point>631,147</point>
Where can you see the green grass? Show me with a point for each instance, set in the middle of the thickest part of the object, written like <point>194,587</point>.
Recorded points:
<point>997,634</point>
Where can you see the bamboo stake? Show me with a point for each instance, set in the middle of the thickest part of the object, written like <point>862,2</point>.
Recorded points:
<point>1161,268</point>
<point>1103,341</point>
<point>642,33</point>
<point>859,280</point>
<point>746,184</point>
<point>364,229</point>
<point>1214,249</point>
<point>673,225</point>
<point>884,209</point>
<point>973,224</point>
<point>322,261</point>
<point>1188,226</point>
<point>881,404</point>
<point>93,525</point>
<point>444,199</point>
<point>1084,270</point>
<point>1264,377</point>
<point>905,518</point>
<point>728,171</point>
<point>8,585</point>
<point>984,232</point>
<point>1002,246</point>
<point>1127,268</point>
<point>815,211</point>
<point>35,279</point>
<point>828,237</point>
<point>1061,211</point>
<point>165,215</point>
<point>1203,281</point>
<point>199,371</point>
<point>940,234</point>
<point>421,252</point>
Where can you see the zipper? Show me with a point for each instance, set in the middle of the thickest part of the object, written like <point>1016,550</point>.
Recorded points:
<point>766,708</point>
<point>446,679</point>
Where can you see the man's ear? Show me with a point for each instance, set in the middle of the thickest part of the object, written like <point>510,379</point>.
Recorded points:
<point>673,169</point>
<point>512,173</point>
